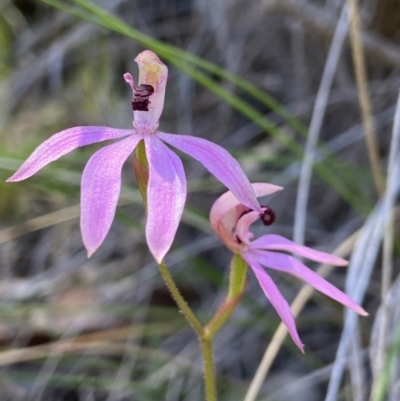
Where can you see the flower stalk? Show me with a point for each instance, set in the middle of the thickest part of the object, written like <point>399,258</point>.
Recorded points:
<point>237,283</point>
<point>237,277</point>
<point>209,374</point>
<point>180,301</point>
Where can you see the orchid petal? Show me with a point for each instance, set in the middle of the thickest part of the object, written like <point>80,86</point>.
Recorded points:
<point>64,142</point>
<point>166,196</point>
<point>243,225</point>
<point>293,266</point>
<point>273,294</point>
<point>227,201</point>
<point>225,228</point>
<point>101,185</point>
<point>273,242</point>
<point>218,162</point>
<point>152,71</point>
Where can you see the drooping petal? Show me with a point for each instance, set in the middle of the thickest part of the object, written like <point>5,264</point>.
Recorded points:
<point>293,266</point>
<point>218,162</point>
<point>243,225</point>
<point>64,142</point>
<point>166,196</point>
<point>273,242</point>
<point>101,185</point>
<point>152,71</point>
<point>273,294</point>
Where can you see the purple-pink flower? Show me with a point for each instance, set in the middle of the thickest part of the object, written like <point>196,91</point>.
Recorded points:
<point>231,220</point>
<point>166,188</point>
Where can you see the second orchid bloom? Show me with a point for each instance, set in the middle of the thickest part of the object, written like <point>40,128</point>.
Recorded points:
<point>165,181</point>
<point>231,220</point>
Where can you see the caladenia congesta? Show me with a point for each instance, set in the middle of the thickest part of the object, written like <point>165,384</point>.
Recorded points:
<point>159,171</point>
<point>162,183</point>
<point>231,220</point>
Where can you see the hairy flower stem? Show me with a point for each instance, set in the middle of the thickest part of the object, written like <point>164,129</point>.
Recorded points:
<point>237,283</point>
<point>237,277</point>
<point>209,374</point>
<point>180,301</point>
<point>205,343</point>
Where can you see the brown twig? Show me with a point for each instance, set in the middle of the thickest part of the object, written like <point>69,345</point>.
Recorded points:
<point>364,97</point>
<point>320,21</point>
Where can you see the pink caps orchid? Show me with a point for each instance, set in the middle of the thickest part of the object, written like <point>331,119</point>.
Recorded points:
<point>231,220</point>
<point>166,186</point>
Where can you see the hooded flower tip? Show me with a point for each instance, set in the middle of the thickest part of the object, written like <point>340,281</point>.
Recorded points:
<point>148,57</point>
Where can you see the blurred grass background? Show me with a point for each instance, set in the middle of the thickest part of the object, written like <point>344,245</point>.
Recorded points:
<point>251,76</point>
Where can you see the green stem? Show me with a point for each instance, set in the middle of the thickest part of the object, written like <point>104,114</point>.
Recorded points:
<point>205,342</point>
<point>220,317</point>
<point>237,277</point>
<point>237,284</point>
<point>208,364</point>
<point>184,307</point>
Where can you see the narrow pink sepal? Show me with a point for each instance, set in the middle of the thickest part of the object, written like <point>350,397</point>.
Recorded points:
<point>273,242</point>
<point>228,201</point>
<point>293,266</point>
<point>100,189</point>
<point>218,162</point>
<point>64,142</point>
<point>166,196</point>
<point>273,294</point>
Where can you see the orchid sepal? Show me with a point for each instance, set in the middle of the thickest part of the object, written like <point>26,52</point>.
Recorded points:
<point>102,174</point>
<point>64,142</point>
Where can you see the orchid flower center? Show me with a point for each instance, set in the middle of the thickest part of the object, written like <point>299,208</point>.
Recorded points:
<point>140,100</point>
<point>267,217</point>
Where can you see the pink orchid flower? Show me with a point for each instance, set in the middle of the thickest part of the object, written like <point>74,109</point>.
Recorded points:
<point>231,220</point>
<point>166,189</point>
